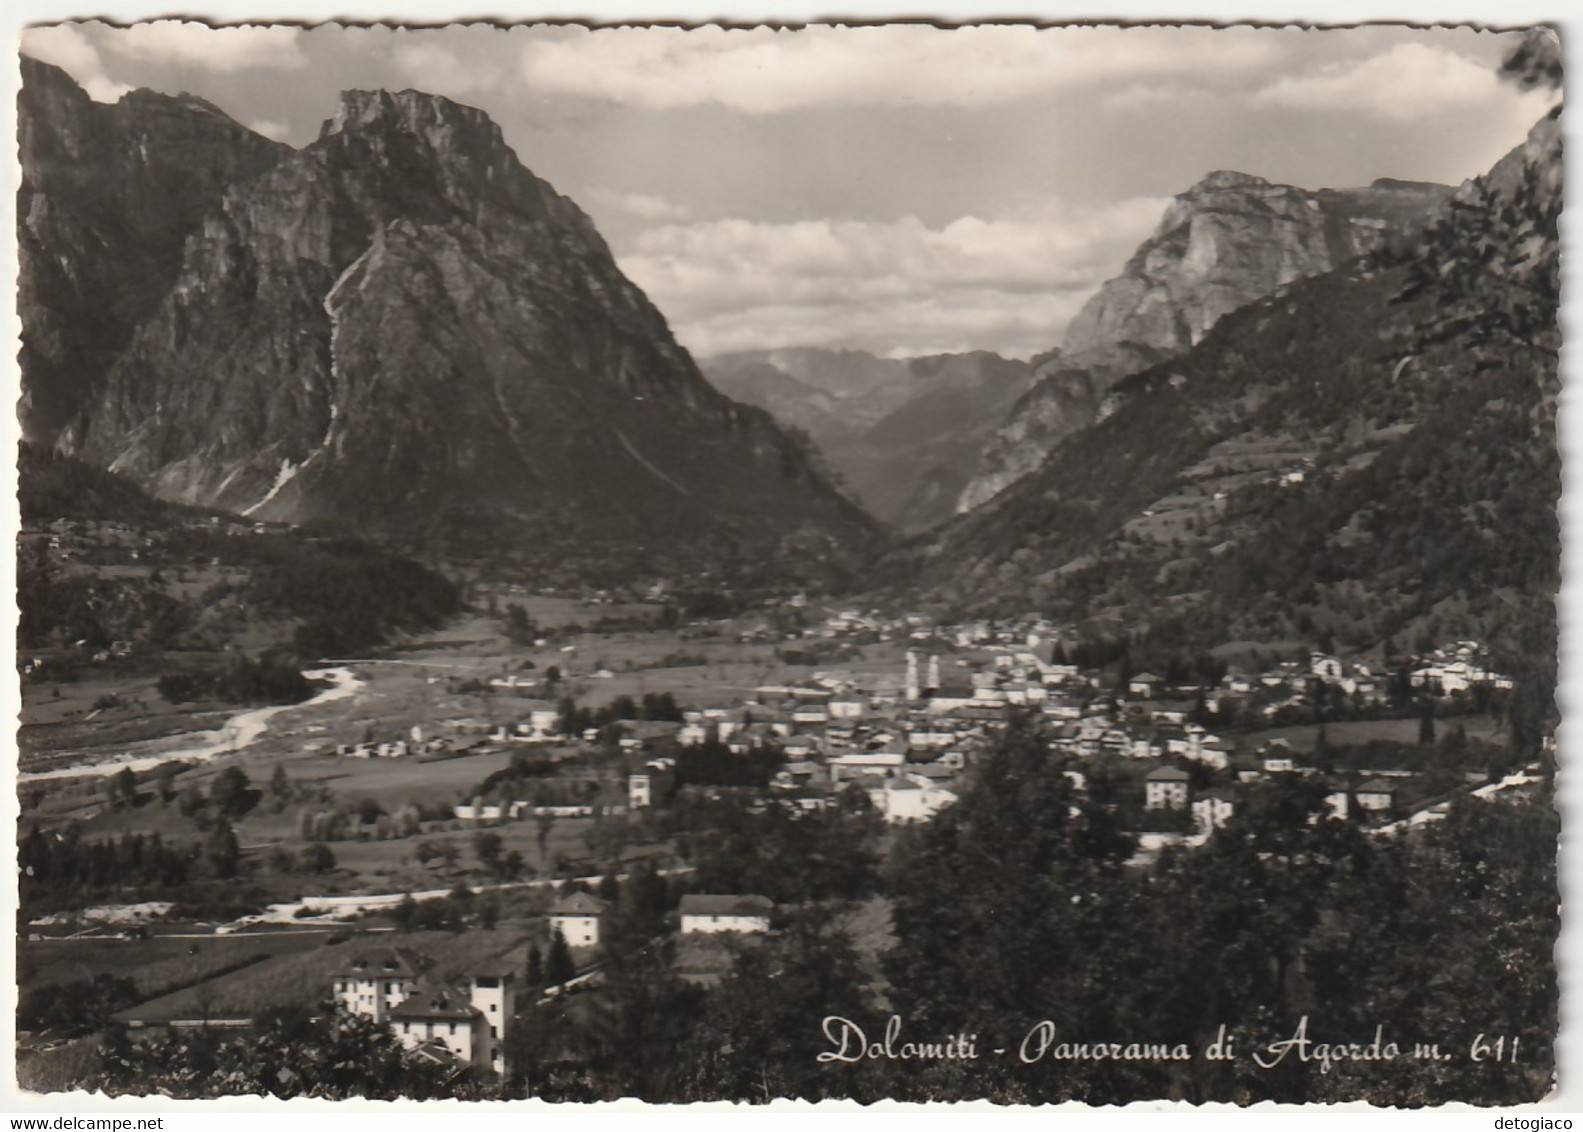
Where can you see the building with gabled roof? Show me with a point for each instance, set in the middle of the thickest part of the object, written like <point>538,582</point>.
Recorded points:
<point>1165,789</point>
<point>469,1022</point>
<point>577,918</point>
<point>372,985</point>
<point>437,1019</point>
<point>722,912</point>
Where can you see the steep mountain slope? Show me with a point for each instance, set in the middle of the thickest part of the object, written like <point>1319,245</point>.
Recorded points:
<point>1367,453</point>
<point>109,193</point>
<point>400,329</point>
<point>904,434</point>
<point>1230,239</point>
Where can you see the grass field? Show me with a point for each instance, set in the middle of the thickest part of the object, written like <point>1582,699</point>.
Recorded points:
<point>305,977</point>
<point>420,684</point>
<point>1351,732</point>
<point>155,964</point>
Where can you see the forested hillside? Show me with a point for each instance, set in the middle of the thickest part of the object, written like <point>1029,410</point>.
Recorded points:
<point>105,569</point>
<point>1367,456</point>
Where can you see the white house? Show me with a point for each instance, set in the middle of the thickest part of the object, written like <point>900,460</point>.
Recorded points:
<point>1212,809</point>
<point>461,1025</point>
<point>865,762</point>
<point>846,709</point>
<point>1145,684</point>
<point>709,912</point>
<point>372,986</point>
<point>466,1023</point>
<point>1376,795</point>
<point>910,798</point>
<point>1165,789</point>
<point>577,917</point>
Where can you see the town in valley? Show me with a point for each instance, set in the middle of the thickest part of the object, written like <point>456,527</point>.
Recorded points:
<point>871,595</point>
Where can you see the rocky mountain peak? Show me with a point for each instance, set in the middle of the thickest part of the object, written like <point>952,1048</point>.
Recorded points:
<point>442,123</point>
<point>1231,239</point>
<point>1230,179</point>
<point>398,329</point>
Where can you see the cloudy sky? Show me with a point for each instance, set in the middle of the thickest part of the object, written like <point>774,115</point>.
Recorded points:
<point>902,189</point>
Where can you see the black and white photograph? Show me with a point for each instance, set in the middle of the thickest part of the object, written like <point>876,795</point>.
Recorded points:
<point>890,561</point>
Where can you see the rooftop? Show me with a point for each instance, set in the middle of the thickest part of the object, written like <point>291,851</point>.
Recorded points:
<point>712,904</point>
<point>578,904</point>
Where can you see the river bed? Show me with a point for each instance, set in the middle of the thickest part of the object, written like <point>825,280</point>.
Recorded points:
<point>239,733</point>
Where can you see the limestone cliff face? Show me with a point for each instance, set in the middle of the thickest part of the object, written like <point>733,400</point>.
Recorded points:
<point>1228,241</point>
<point>402,330</point>
<point>109,194</point>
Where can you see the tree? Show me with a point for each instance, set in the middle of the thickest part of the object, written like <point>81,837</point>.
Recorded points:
<point>513,865</point>
<point>751,1041</point>
<point>165,778</point>
<point>405,914</point>
<point>317,858</point>
<point>221,850</point>
<point>535,968</point>
<point>520,629</point>
<point>559,967</point>
<point>230,793</point>
<point>487,846</point>
<point>288,1054</point>
<point>123,788</point>
<point>280,785</point>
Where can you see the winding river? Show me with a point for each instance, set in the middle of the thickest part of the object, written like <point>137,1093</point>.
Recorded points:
<point>239,732</point>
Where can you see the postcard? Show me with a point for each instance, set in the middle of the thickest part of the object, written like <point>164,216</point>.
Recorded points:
<point>846,561</point>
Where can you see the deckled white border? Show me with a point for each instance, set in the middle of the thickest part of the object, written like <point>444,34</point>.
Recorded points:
<point>15,14</point>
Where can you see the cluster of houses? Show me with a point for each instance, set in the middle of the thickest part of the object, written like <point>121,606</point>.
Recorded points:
<point>455,1024</point>
<point>578,916</point>
<point>460,1023</point>
<point>907,738</point>
<point>1458,667</point>
<point>1373,795</point>
<point>907,744</point>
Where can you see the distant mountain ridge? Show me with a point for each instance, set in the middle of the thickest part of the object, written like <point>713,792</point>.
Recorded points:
<point>1230,239</point>
<point>400,329</point>
<point>903,433</point>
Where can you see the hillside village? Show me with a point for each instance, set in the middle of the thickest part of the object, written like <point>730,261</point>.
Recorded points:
<point>905,741</point>
<point>440,680</point>
<point>904,746</point>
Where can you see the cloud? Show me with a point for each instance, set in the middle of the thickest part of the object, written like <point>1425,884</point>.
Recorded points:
<point>187,44</point>
<point>434,66</point>
<point>69,49</point>
<point>1151,98</point>
<point>765,71</point>
<point>644,206</point>
<point>1407,83</point>
<point>1008,283</point>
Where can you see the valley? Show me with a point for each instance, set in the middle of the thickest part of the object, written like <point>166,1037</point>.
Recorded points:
<point>438,682</point>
